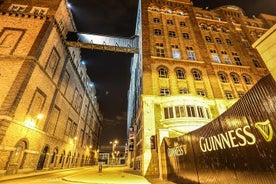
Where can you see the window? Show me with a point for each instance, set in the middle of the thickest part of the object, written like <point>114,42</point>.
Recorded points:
<point>246,79</point>
<point>164,92</point>
<point>223,52</point>
<point>176,54</point>
<point>227,60</point>
<point>200,112</point>
<point>182,24</point>
<point>214,28</point>
<point>17,8</point>
<point>156,20</point>
<point>218,40</point>
<point>157,32</point>
<point>159,49</point>
<point>169,22</point>
<point>180,74</point>
<point>190,111</point>
<point>68,128</point>
<point>183,91</point>
<point>223,29</point>
<point>235,78</point>
<point>172,34</point>
<point>65,81</point>
<point>196,75</point>
<point>238,61</point>
<point>163,72</point>
<point>186,36</point>
<point>223,77</point>
<point>52,62</point>
<point>204,27</point>
<point>37,104</point>
<point>208,38</point>
<point>228,95</point>
<point>240,94</point>
<point>256,63</point>
<point>215,58</point>
<point>213,51</point>
<point>168,112</point>
<point>228,41</point>
<point>191,55</point>
<point>52,124</point>
<point>201,93</point>
<point>179,111</point>
<point>39,11</point>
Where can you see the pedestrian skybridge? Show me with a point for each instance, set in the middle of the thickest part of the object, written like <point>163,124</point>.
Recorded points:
<point>102,42</point>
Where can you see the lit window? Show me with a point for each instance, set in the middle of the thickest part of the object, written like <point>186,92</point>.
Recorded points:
<point>200,112</point>
<point>39,11</point>
<point>159,49</point>
<point>163,72</point>
<point>215,58</point>
<point>176,53</point>
<point>179,111</point>
<point>190,111</point>
<point>17,8</point>
<point>227,60</point>
<point>191,55</point>
<point>164,92</point>
<point>168,112</point>
<point>180,74</point>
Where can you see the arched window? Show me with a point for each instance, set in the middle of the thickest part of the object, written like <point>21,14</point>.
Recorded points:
<point>222,77</point>
<point>196,74</point>
<point>163,72</point>
<point>235,78</point>
<point>246,79</point>
<point>180,74</point>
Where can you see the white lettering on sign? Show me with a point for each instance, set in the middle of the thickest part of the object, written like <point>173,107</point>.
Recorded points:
<point>177,151</point>
<point>231,139</point>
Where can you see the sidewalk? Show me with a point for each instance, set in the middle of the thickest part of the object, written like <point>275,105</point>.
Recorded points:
<point>109,175</point>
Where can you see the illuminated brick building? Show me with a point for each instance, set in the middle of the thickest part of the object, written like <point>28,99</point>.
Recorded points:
<point>49,116</point>
<point>193,64</point>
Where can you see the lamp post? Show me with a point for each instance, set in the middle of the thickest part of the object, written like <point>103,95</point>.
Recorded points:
<point>113,154</point>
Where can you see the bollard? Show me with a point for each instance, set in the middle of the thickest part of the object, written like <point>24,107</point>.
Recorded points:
<point>100,168</point>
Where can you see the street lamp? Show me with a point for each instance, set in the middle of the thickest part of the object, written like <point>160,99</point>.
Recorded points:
<point>30,122</point>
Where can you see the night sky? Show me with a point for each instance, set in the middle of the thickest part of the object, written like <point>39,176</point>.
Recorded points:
<point>111,71</point>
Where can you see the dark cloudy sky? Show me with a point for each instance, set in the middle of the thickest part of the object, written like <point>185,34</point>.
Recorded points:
<point>110,71</point>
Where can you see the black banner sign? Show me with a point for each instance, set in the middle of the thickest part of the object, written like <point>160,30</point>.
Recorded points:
<point>237,147</point>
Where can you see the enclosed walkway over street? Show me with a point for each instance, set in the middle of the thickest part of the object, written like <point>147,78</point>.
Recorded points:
<point>102,42</point>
